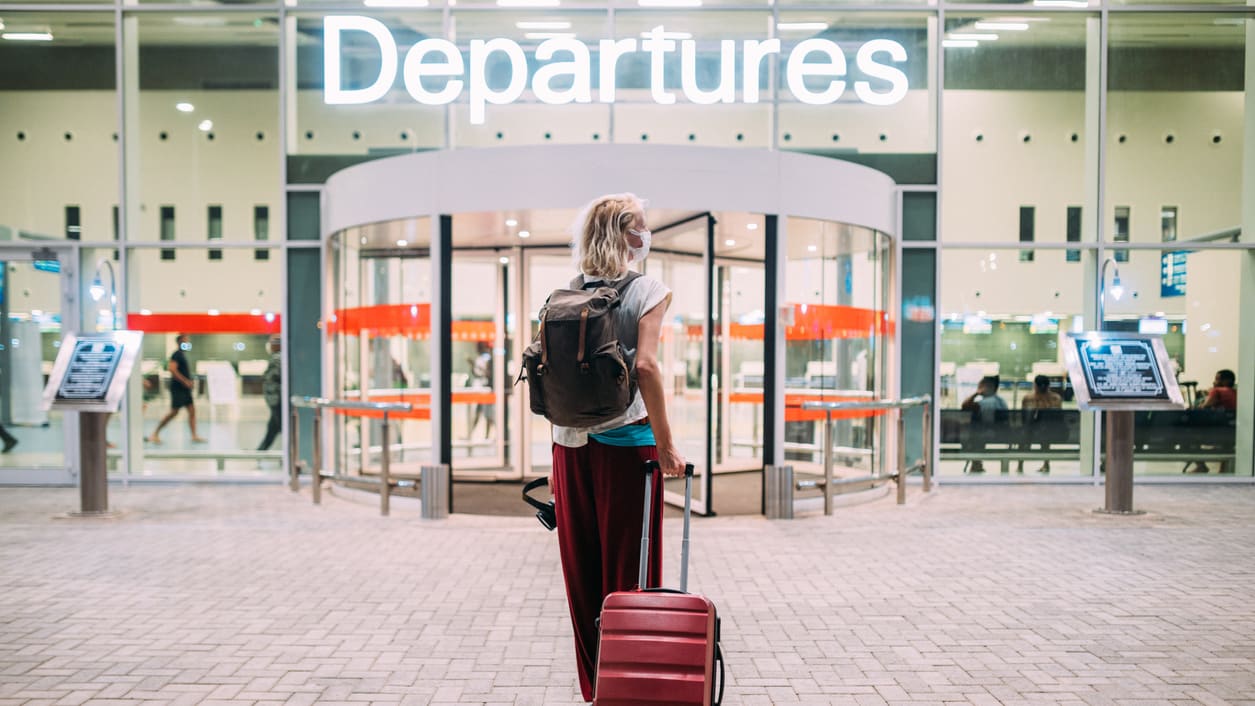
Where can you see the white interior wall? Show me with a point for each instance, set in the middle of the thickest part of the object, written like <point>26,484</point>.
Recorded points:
<point>380,125</point>
<point>192,283</point>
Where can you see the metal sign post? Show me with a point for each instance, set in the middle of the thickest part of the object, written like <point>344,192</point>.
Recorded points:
<point>1119,374</point>
<point>90,377</point>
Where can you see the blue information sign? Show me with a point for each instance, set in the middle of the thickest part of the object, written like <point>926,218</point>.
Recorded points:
<point>1172,273</point>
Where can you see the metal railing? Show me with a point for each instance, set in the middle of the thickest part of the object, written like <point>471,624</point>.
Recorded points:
<point>828,482</point>
<point>386,485</point>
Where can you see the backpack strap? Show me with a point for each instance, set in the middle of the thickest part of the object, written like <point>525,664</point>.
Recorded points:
<point>619,286</point>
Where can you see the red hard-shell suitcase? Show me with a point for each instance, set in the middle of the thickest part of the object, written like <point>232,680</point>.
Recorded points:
<point>659,646</point>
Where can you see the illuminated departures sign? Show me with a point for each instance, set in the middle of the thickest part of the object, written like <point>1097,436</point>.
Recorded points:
<point>431,61</point>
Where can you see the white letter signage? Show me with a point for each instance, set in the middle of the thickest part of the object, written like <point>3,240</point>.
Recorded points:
<point>435,71</point>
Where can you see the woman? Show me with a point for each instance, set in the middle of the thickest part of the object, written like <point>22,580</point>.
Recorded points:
<point>598,480</point>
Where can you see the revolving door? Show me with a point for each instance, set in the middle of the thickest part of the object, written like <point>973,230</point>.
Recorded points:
<point>435,310</point>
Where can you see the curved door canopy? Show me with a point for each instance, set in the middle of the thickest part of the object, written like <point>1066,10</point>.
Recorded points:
<point>568,176</point>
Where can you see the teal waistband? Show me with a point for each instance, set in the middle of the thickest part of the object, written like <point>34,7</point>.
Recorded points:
<point>627,435</point>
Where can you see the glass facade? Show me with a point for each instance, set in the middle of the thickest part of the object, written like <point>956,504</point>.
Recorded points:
<point>183,144</point>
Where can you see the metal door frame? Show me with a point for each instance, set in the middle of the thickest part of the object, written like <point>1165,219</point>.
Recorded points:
<point>68,255</point>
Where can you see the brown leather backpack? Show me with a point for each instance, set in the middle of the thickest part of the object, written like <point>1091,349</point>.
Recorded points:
<point>578,372</point>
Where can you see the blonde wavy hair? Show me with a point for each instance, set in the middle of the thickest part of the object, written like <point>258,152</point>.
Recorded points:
<point>600,240</point>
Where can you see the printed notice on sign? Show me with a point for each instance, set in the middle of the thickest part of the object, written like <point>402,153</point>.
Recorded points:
<point>1116,370</point>
<point>1121,368</point>
<point>91,369</point>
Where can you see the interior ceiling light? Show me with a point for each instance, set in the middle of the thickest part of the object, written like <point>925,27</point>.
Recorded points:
<point>27,36</point>
<point>206,125</point>
<point>395,3</point>
<point>511,222</point>
<point>751,226</point>
<point>545,25</point>
<point>503,260</point>
<point>669,35</point>
<point>974,36</point>
<point>729,242</point>
<point>402,243</point>
<point>801,26</point>
<point>1000,26</point>
<point>528,3</point>
<point>549,35</point>
<point>525,234</point>
<point>184,107</point>
<point>959,43</point>
<point>812,248</point>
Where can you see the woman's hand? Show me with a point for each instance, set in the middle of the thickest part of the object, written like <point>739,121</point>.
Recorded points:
<point>670,461</point>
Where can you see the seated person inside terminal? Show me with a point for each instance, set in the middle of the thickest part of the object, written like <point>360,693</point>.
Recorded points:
<point>1222,396</point>
<point>986,408</point>
<point>1042,397</point>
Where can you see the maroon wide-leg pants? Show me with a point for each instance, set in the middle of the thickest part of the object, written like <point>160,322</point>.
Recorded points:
<point>599,493</point>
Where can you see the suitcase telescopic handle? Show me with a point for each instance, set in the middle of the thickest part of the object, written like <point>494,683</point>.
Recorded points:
<point>643,576</point>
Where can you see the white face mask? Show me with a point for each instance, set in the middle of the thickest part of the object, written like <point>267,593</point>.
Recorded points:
<point>639,254</point>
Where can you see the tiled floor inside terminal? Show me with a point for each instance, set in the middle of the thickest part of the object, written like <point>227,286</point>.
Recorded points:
<point>983,595</point>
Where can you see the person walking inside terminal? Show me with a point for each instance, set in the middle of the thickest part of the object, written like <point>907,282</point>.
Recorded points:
<point>1222,396</point>
<point>181,388</point>
<point>272,393</point>
<point>986,407</point>
<point>598,482</point>
<point>1042,397</point>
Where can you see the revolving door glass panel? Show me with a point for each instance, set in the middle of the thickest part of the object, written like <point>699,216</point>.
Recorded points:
<point>836,279</point>
<point>381,336</point>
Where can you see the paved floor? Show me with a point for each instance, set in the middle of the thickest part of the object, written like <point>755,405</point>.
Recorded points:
<point>251,595</point>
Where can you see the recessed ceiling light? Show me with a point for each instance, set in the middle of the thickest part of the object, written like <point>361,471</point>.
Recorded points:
<point>214,312</point>
<point>811,248</point>
<point>511,222</point>
<point>998,26</point>
<point>959,43</point>
<point>669,35</point>
<point>402,243</point>
<point>801,26</point>
<point>206,125</point>
<point>729,242</point>
<point>27,36</point>
<point>184,107</point>
<point>525,234</point>
<point>549,35</point>
<point>544,25</point>
<point>751,226</point>
<point>978,37</point>
<point>503,260</point>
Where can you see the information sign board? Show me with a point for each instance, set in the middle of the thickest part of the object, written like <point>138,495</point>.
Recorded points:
<point>1121,371</point>
<point>1172,271</point>
<point>91,371</point>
